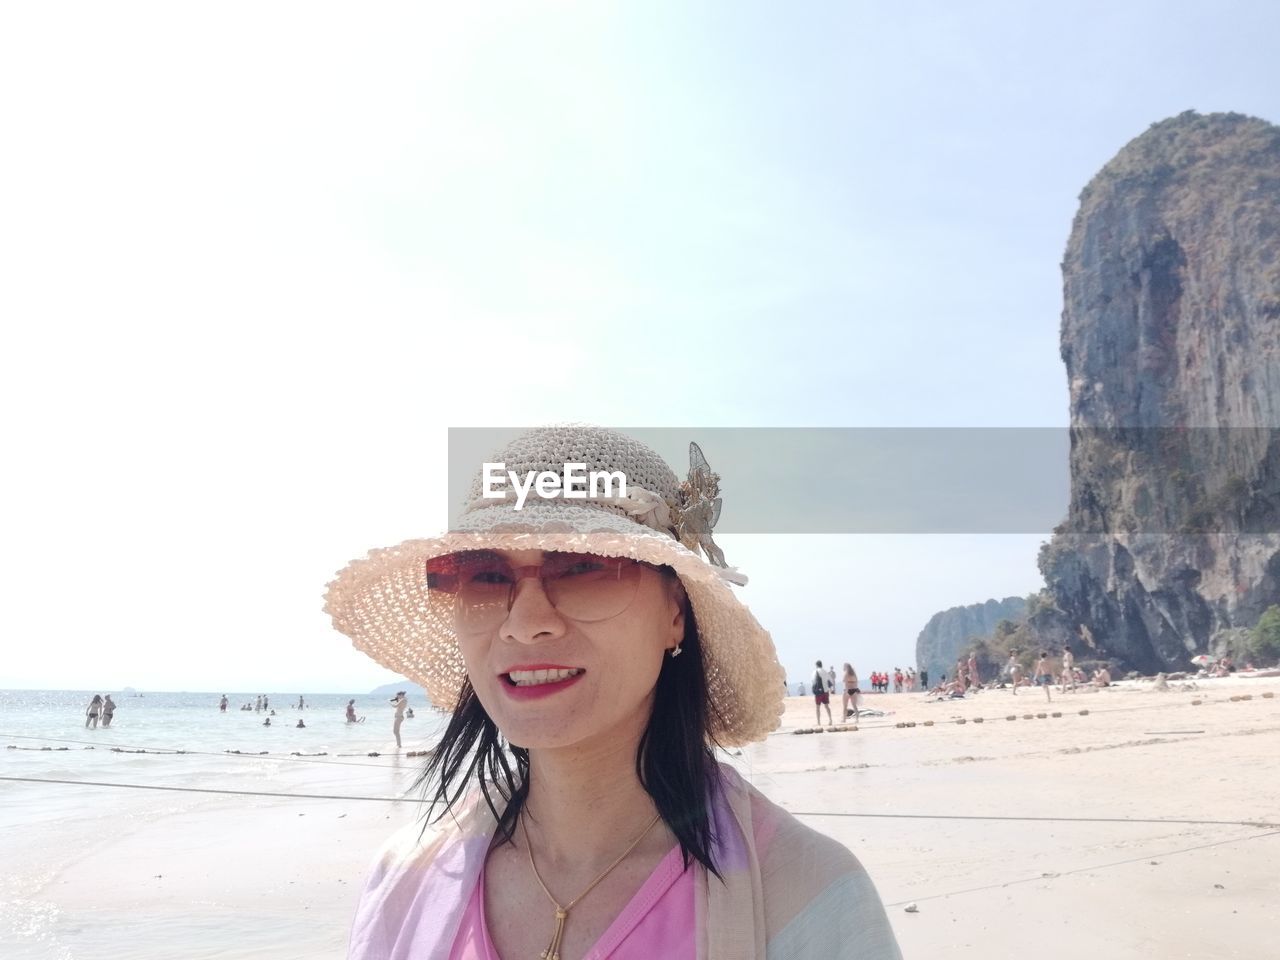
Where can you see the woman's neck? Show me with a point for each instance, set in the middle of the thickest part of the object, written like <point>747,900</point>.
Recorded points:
<point>585,802</point>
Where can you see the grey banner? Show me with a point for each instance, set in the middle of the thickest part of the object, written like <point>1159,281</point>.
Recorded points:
<point>959,480</point>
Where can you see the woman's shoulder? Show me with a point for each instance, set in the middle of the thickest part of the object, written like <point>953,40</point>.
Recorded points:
<point>783,844</point>
<point>417,886</point>
<point>810,881</point>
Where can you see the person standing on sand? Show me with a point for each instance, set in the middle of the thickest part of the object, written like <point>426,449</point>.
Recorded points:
<point>851,692</point>
<point>401,703</point>
<point>1013,669</point>
<point>108,710</point>
<point>91,712</point>
<point>1044,675</point>
<point>975,680</point>
<point>821,698</point>
<point>1068,670</point>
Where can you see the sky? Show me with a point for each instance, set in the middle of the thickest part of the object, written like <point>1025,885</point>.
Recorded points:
<point>258,258</point>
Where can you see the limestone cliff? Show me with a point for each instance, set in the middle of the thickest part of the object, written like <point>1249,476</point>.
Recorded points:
<point>949,633</point>
<point>1171,339</point>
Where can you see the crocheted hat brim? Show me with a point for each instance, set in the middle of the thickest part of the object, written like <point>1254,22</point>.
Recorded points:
<point>382,603</point>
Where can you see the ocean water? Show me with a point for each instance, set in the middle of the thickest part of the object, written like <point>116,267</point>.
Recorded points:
<point>55,835</point>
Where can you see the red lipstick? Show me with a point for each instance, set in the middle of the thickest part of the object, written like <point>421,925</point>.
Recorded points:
<point>538,690</point>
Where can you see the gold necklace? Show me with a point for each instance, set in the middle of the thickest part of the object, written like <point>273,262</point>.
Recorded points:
<point>562,913</point>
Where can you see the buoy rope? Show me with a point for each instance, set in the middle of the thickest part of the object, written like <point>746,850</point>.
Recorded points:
<point>233,793</point>
<point>1041,707</point>
<point>239,754</point>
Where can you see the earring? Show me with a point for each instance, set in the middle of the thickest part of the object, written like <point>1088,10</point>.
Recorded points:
<point>676,651</point>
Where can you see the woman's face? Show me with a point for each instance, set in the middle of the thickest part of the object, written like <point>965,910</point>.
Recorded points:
<point>617,662</point>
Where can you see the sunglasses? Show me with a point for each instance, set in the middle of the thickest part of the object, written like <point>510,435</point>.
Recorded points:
<point>481,585</point>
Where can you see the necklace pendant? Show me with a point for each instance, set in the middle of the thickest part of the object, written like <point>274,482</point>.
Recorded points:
<point>553,948</point>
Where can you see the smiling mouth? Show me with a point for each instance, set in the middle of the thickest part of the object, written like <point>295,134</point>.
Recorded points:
<point>534,678</point>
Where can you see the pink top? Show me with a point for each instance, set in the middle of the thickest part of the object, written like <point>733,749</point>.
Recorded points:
<point>657,922</point>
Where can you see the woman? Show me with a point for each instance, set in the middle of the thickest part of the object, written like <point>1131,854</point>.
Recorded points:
<point>591,660</point>
<point>91,712</point>
<point>1013,669</point>
<point>400,703</point>
<point>1068,670</point>
<point>851,692</point>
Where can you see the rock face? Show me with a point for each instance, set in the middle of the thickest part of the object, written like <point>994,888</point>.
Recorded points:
<point>949,633</point>
<point>1171,339</point>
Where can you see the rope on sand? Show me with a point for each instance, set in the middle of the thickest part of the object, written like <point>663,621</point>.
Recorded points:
<point>968,816</point>
<point>797,813</point>
<point>233,793</point>
<point>295,756</point>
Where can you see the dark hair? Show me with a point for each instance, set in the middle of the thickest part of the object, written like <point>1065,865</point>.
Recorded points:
<point>674,759</point>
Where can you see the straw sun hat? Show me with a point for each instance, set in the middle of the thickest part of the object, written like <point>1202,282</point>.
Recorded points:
<point>382,603</point>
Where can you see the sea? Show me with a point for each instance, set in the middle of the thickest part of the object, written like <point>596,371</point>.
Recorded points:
<point>76,819</point>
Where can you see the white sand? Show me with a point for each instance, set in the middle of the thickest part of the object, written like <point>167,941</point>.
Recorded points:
<point>279,879</point>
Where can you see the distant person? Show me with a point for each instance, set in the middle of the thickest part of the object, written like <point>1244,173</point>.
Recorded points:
<point>1068,675</point>
<point>851,692</point>
<point>108,710</point>
<point>975,680</point>
<point>799,689</point>
<point>1101,677</point>
<point>351,713</point>
<point>821,698</point>
<point>222,704</point>
<point>92,711</point>
<point>409,713</point>
<point>266,722</point>
<point>257,704</point>
<point>924,679</point>
<point>1013,670</point>
<point>300,724</point>
<point>301,704</point>
<point>1044,675</point>
<point>265,702</point>
<point>401,704</point>
<point>962,673</point>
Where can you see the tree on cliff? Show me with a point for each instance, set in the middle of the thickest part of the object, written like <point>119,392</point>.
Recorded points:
<point>1266,636</point>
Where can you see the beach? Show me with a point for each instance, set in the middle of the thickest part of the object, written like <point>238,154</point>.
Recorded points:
<point>931,811</point>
